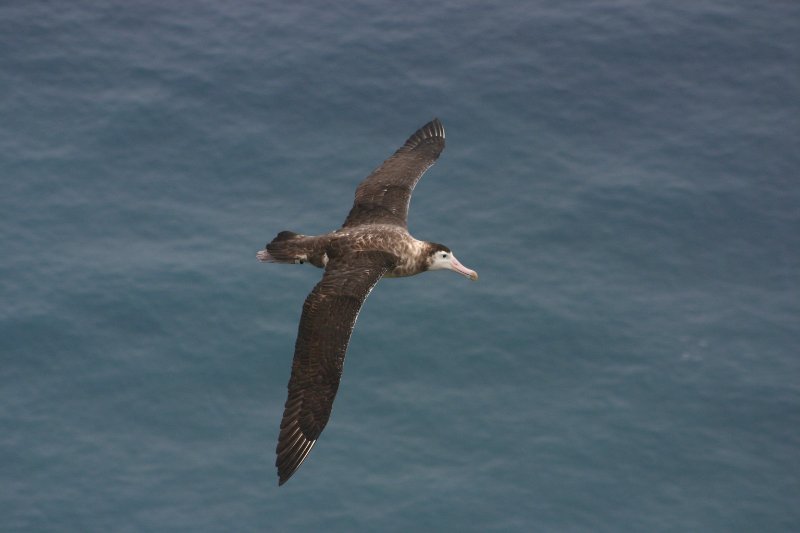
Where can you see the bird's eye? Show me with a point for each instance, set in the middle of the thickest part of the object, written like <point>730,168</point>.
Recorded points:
<point>444,256</point>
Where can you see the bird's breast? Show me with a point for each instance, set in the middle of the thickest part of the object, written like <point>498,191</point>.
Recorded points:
<point>393,240</point>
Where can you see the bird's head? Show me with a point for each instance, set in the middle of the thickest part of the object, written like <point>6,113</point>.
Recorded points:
<point>441,258</point>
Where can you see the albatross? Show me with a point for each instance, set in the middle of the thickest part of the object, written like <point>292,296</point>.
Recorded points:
<point>373,242</point>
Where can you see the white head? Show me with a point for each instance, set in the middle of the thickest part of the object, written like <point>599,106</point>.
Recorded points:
<point>441,258</point>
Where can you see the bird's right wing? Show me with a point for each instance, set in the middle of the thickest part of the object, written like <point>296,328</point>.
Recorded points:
<point>329,315</point>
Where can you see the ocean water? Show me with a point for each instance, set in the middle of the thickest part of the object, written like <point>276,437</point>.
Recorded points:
<point>623,175</point>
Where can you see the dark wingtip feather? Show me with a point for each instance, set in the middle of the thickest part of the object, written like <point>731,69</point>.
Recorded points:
<point>292,450</point>
<point>432,130</point>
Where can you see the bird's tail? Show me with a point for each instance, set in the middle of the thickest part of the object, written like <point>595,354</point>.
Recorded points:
<point>290,247</point>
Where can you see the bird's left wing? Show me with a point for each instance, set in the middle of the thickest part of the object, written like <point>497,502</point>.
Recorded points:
<point>384,195</point>
<point>329,315</point>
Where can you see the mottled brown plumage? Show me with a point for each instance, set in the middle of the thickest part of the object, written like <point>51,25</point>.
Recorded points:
<point>373,242</point>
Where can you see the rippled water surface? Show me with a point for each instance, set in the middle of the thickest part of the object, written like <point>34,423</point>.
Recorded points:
<point>622,174</point>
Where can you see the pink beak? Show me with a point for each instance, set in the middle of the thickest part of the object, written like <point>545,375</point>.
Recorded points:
<point>461,269</point>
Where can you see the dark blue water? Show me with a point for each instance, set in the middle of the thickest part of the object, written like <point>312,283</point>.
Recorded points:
<point>623,175</point>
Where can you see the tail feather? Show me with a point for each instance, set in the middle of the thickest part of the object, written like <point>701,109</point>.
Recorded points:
<point>291,247</point>
<point>285,236</point>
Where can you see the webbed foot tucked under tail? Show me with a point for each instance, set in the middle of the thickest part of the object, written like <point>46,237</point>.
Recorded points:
<point>264,257</point>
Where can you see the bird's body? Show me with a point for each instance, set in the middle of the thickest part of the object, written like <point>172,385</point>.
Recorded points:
<point>409,253</point>
<point>374,242</point>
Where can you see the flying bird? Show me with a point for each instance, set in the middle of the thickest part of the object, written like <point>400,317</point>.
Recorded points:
<point>373,242</point>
